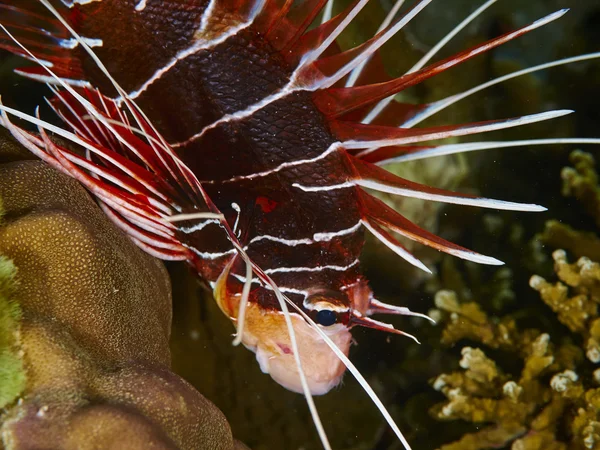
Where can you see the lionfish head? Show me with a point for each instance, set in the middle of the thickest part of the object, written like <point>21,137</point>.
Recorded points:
<point>265,331</point>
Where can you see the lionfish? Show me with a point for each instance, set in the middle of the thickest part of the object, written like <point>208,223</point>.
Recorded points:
<point>237,136</point>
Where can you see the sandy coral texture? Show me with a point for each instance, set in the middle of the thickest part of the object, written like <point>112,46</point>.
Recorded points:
<point>93,328</point>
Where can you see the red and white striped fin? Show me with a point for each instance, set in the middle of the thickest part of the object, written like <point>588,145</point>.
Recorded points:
<point>378,213</point>
<point>44,36</point>
<point>373,177</point>
<point>339,101</point>
<point>137,199</point>
<point>361,136</point>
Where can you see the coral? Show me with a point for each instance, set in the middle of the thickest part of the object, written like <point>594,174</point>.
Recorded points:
<point>94,328</point>
<point>12,374</point>
<point>547,399</point>
<point>532,409</point>
<point>526,410</point>
<point>579,243</point>
<point>469,321</point>
<point>577,307</point>
<point>581,182</point>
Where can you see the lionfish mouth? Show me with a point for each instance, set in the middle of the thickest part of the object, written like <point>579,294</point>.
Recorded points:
<point>237,137</point>
<point>265,332</point>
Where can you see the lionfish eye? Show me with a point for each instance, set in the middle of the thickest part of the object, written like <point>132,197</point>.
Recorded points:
<point>326,317</point>
<point>327,307</point>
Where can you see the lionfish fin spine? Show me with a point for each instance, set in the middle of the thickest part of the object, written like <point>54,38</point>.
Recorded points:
<point>383,155</point>
<point>314,38</point>
<point>378,307</point>
<point>315,54</point>
<point>383,104</point>
<point>327,11</point>
<point>357,319</point>
<point>389,241</point>
<point>390,155</point>
<point>435,107</point>
<point>168,249</point>
<point>348,61</point>
<point>356,72</point>
<point>339,101</point>
<point>375,211</point>
<point>360,136</point>
<point>373,177</point>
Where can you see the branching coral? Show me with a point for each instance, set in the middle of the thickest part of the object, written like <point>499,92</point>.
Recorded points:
<point>576,307</point>
<point>531,409</point>
<point>548,398</point>
<point>579,243</point>
<point>526,410</point>
<point>581,182</point>
<point>469,321</point>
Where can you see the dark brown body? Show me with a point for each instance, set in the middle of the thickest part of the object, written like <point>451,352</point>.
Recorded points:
<point>223,80</point>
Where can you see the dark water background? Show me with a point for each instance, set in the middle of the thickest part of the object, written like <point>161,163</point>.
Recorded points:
<point>266,416</point>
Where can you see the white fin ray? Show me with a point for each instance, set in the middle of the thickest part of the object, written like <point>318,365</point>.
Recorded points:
<point>315,54</point>
<point>452,149</point>
<point>353,78</point>
<point>241,318</point>
<point>372,145</point>
<point>327,12</point>
<point>370,49</point>
<point>440,105</point>
<point>427,57</point>
<point>400,251</point>
<point>457,200</point>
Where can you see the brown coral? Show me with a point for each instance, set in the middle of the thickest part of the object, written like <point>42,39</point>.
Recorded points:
<point>529,411</point>
<point>575,298</point>
<point>549,405</point>
<point>581,182</point>
<point>579,243</point>
<point>94,330</point>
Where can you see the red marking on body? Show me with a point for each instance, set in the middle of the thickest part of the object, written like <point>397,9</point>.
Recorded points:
<point>266,204</point>
<point>285,349</point>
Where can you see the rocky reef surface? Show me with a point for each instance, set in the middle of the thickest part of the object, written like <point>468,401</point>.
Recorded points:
<point>85,321</point>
